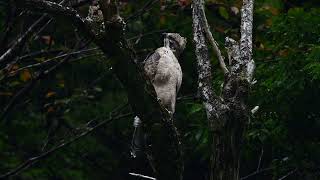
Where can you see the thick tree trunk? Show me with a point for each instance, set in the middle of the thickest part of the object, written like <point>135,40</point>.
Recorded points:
<point>227,144</point>
<point>228,114</point>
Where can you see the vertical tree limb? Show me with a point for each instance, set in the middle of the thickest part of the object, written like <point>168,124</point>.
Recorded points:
<point>212,41</point>
<point>228,114</point>
<point>212,103</point>
<point>246,38</point>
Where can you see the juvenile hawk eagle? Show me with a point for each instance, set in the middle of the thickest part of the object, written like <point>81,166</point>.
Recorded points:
<point>164,71</point>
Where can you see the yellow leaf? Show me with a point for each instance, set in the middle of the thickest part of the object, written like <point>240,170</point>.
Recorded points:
<point>25,75</point>
<point>50,94</point>
<point>283,52</point>
<point>6,94</point>
<point>269,22</point>
<point>50,109</point>
<point>15,67</point>
<point>162,20</point>
<point>274,11</point>
<point>61,84</point>
<point>47,40</point>
<point>261,46</point>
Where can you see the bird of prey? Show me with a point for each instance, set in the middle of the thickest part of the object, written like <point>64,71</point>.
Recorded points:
<point>164,71</point>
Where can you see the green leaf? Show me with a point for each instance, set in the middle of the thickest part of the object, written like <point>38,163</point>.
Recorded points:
<point>223,12</point>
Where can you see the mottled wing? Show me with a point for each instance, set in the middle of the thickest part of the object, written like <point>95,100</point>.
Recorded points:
<point>150,65</point>
<point>179,78</point>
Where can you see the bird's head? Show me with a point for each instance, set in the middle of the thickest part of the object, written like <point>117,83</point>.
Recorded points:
<point>175,42</point>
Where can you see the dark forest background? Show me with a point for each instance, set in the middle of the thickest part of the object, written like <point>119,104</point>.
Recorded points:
<point>282,139</point>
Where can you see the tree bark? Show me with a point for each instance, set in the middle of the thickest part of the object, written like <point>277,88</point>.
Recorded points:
<point>227,114</point>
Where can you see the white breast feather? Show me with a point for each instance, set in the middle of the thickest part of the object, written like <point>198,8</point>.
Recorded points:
<point>168,77</point>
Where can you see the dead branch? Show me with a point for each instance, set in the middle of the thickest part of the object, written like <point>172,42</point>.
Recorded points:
<point>247,62</point>
<point>212,41</point>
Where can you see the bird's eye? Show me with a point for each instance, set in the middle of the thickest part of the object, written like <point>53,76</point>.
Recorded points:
<point>172,44</point>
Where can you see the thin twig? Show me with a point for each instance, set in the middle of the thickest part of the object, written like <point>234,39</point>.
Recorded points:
<point>260,158</point>
<point>39,53</point>
<point>29,86</point>
<point>53,59</point>
<point>19,42</point>
<point>35,36</point>
<point>213,42</point>
<point>87,56</point>
<point>147,34</point>
<point>142,176</point>
<point>60,10</point>
<point>256,173</point>
<point>10,20</point>
<point>288,174</point>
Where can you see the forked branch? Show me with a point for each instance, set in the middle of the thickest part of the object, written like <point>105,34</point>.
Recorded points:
<point>212,41</point>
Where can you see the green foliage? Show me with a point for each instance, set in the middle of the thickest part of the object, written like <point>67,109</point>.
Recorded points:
<point>286,127</point>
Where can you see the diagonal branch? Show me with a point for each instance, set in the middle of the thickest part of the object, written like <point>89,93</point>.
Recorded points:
<point>54,59</point>
<point>18,44</point>
<point>212,41</point>
<point>59,10</point>
<point>20,41</point>
<point>30,85</point>
<point>10,19</point>
<point>209,98</point>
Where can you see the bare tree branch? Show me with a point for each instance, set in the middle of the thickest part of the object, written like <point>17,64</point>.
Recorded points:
<point>142,176</point>
<point>59,10</point>
<point>53,59</point>
<point>260,159</point>
<point>39,53</point>
<point>18,43</point>
<point>35,36</point>
<point>288,174</point>
<point>227,114</point>
<point>30,85</point>
<point>246,38</point>
<point>257,172</point>
<point>11,17</point>
<point>212,41</point>
<point>203,64</point>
